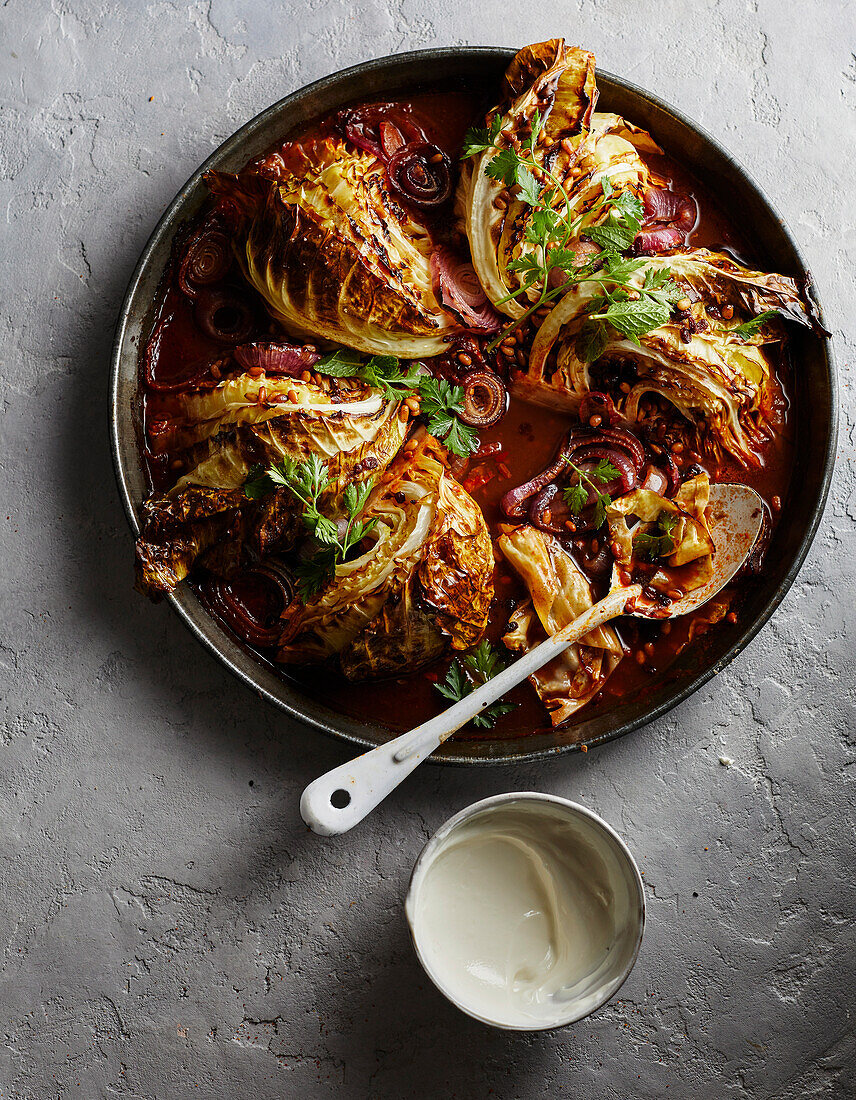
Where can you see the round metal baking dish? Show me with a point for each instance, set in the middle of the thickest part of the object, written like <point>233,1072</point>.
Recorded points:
<point>736,193</point>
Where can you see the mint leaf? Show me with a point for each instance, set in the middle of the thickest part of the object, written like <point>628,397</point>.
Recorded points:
<point>752,327</point>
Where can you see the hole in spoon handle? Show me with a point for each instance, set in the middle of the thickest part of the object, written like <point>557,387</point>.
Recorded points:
<point>340,799</point>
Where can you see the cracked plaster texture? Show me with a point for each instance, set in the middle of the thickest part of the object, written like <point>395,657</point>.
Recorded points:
<point>168,928</point>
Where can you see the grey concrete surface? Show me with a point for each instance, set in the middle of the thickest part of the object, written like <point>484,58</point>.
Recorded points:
<point>168,928</point>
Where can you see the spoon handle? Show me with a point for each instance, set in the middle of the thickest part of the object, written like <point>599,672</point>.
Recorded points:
<point>342,797</point>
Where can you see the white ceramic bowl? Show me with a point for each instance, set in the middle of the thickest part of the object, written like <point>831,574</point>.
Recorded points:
<point>627,907</point>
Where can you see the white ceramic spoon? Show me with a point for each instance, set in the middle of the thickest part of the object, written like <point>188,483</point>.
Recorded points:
<point>340,799</point>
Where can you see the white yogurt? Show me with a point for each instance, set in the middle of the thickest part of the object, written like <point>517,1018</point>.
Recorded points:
<point>526,912</point>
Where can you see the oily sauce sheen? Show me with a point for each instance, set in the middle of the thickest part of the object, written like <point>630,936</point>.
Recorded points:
<point>526,441</point>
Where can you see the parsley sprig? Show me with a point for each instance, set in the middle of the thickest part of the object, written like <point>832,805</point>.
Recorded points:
<point>551,231</point>
<point>306,481</point>
<point>442,403</point>
<point>649,545</point>
<point>470,672</point>
<point>576,496</point>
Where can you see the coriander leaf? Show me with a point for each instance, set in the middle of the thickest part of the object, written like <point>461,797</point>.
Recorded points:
<point>605,471</point>
<point>575,497</point>
<point>530,189</point>
<point>646,546</point>
<point>325,530</point>
<point>470,672</point>
<point>753,326</point>
<point>621,270</point>
<point>258,485</point>
<point>476,140</point>
<point>606,187</point>
<point>649,545</point>
<point>487,718</point>
<point>313,573</point>
<point>484,662</point>
<point>540,224</point>
<point>356,495</point>
<point>503,167</point>
<point>537,126</point>
<point>461,440</point>
<point>601,504</point>
<point>565,258</point>
<point>479,138</point>
<point>441,401</point>
<point>455,686</point>
<point>628,208</point>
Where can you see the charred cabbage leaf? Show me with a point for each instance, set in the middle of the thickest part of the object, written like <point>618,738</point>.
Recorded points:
<point>177,532</point>
<point>664,544</point>
<point>704,366</point>
<point>425,580</point>
<point>557,83</point>
<point>558,594</point>
<point>333,253</point>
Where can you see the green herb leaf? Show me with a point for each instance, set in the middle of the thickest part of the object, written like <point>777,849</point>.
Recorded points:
<point>530,189</point>
<point>575,496</point>
<point>356,495</point>
<point>591,341</point>
<point>382,372</point>
<point>600,506</point>
<point>651,545</point>
<point>456,685</point>
<point>258,485</point>
<point>752,327</point>
<point>307,481</point>
<point>503,167</point>
<point>342,363</point>
<point>313,574</point>
<point>612,235</point>
<point>635,318</point>
<point>470,672</point>
<point>441,402</point>
<point>605,471</point>
<point>478,139</point>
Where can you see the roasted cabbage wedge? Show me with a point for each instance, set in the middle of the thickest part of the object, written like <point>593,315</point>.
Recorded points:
<point>178,531</point>
<point>242,423</point>
<point>711,374</point>
<point>557,82</point>
<point>333,253</point>
<point>424,583</point>
<point>661,543</point>
<point>246,420</point>
<point>558,594</point>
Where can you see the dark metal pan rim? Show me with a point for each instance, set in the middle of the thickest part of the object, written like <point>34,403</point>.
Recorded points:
<point>412,68</point>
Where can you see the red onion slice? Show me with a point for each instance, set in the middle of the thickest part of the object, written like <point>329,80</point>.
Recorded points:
<point>252,603</point>
<point>514,505</point>
<point>669,208</point>
<point>599,404</point>
<point>657,239</point>
<point>458,289</point>
<point>377,127</point>
<point>276,357</point>
<point>421,174</point>
<point>225,315</point>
